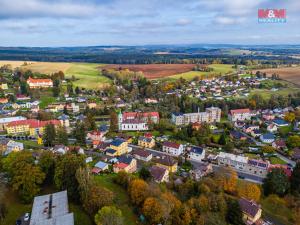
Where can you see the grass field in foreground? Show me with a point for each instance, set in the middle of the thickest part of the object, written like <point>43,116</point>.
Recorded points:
<point>218,68</point>
<point>87,74</point>
<point>121,198</point>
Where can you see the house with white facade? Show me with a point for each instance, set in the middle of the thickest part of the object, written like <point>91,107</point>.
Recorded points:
<point>136,121</point>
<point>239,115</point>
<point>172,148</point>
<point>195,153</point>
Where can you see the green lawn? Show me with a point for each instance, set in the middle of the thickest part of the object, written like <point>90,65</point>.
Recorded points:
<point>46,100</point>
<point>31,144</point>
<point>80,217</point>
<point>121,198</point>
<point>218,68</point>
<point>17,209</point>
<point>88,75</point>
<point>276,160</point>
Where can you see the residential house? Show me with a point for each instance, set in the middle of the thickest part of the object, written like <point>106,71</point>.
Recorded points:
<point>249,128</point>
<point>143,155</point>
<point>280,122</point>
<point>100,167</point>
<point>120,146</point>
<point>3,86</point>
<point>60,149</point>
<point>267,138</point>
<point>279,144</point>
<point>13,146</point>
<point>272,128</point>
<point>146,142</point>
<point>159,174</point>
<point>39,83</point>
<point>172,148</point>
<point>239,115</point>
<point>238,135</point>
<point>202,170</point>
<point>3,100</point>
<point>251,210</point>
<point>167,162</point>
<point>95,136</point>
<point>111,152</point>
<point>195,153</point>
<point>256,133</point>
<point>125,163</point>
<point>64,120</point>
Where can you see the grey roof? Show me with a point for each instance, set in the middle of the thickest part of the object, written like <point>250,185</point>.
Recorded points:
<point>51,209</point>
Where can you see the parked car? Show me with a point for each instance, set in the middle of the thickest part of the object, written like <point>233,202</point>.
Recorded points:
<point>26,217</point>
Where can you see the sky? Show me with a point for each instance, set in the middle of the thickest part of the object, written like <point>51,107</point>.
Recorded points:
<point>55,23</point>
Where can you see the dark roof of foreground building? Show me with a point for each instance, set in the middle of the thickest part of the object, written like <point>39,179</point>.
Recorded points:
<point>157,172</point>
<point>51,209</point>
<point>249,207</point>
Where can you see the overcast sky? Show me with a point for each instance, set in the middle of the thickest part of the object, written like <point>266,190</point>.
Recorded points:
<point>140,22</point>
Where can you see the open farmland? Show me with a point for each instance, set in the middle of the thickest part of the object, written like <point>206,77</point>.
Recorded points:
<point>217,69</point>
<point>291,74</point>
<point>154,71</point>
<point>87,74</point>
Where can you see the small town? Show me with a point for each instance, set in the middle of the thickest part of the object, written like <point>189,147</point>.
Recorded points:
<point>149,112</point>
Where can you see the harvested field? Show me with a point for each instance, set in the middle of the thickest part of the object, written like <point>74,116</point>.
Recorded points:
<point>153,71</point>
<point>291,74</point>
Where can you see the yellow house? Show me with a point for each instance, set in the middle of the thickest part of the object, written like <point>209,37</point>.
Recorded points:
<point>168,163</point>
<point>3,86</point>
<point>146,142</point>
<point>120,146</point>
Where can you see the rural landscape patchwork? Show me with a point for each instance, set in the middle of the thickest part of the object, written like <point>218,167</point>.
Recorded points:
<point>153,112</point>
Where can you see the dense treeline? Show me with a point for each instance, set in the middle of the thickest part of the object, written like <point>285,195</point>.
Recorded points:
<point>136,55</point>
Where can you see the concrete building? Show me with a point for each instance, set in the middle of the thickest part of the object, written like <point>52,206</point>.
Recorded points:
<point>211,115</point>
<point>51,209</point>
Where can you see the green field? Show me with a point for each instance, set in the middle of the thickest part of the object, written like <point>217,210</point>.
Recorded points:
<point>87,75</point>
<point>286,89</point>
<point>218,68</point>
<point>276,160</point>
<point>121,198</point>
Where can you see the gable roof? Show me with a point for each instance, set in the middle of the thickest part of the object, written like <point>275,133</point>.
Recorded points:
<point>249,207</point>
<point>125,159</point>
<point>171,145</point>
<point>239,111</point>
<point>101,165</point>
<point>142,153</point>
<point>117,142</point>
<point>157,172</point>
<point>167,160</point>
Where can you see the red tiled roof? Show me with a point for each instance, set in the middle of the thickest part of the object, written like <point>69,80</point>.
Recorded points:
<point>137,114</point>
<point>32,123</point>
<point>171,144</point>
<point>121,165</point>
<point>287,170</point>
<point>32,80</point>
<point>239,111</point>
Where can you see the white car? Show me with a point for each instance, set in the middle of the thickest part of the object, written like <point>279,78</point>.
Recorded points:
<point>26,217</point>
